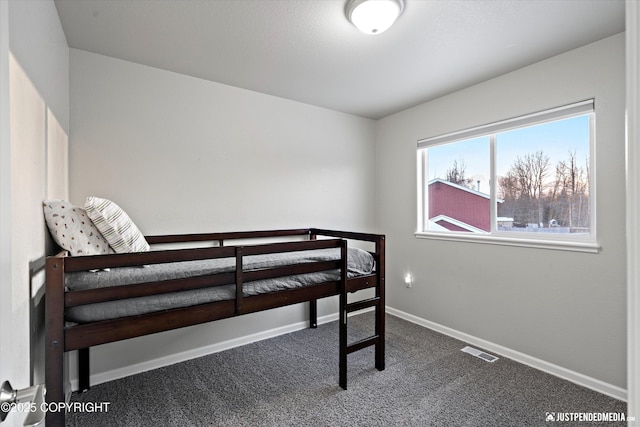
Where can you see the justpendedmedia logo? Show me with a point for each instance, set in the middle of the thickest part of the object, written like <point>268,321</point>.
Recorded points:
<point>594,417</point>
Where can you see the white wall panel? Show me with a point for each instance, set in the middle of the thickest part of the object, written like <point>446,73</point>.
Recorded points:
<point>37,95</point>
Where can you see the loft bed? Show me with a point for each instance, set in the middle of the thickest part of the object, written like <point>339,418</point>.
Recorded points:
<point>93,300</point>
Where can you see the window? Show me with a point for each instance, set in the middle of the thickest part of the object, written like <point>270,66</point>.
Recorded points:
<point>524,181</point>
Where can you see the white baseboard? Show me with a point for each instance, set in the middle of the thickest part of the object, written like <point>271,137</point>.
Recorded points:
<point>567,374</point>
<point>103,377</point>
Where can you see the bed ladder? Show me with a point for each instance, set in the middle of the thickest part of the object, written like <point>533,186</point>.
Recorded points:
<point>377,339</point>
<point>377,302</point>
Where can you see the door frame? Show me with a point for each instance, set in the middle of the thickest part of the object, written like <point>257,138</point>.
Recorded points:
<point>7,357</point>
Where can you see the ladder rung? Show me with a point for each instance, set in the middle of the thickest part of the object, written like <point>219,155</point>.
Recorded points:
<point>359,345</point>
<point>361,305</point>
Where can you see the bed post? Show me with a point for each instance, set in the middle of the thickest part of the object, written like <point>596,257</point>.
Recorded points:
<point>313,304</point>
<point>54,346</point>
<point>380,309</point>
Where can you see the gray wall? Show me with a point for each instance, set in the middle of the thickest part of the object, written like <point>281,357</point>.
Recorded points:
<point>566,309</point>
<point>182,155</point>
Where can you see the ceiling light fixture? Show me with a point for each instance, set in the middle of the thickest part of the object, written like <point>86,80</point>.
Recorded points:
<point>373,16</point>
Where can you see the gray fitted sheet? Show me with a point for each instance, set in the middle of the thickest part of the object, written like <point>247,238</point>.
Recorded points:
<point>359,263</point>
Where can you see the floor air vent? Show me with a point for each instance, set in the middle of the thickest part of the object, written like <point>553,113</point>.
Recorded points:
<point>481,354</point>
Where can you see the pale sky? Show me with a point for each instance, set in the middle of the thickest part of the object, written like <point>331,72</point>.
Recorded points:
<point>555,139</point>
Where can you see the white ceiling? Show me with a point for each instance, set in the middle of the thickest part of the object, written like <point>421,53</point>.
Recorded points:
<point>306,50</point>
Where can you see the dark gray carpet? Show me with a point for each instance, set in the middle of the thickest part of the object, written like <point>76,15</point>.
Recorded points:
<point>292,380</point>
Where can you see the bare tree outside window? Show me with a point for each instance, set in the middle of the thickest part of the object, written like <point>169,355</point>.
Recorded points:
<point>457,174</point>
<point>530,195</point>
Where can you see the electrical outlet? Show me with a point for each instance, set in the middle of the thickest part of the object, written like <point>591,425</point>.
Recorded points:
<point>408,280</point>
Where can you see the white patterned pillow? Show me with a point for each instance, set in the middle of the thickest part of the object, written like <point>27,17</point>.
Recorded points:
<point>72,229</point>
<point>115,225</point>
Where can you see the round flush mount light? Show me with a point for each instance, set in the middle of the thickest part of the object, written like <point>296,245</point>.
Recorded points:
<point>373,16</point>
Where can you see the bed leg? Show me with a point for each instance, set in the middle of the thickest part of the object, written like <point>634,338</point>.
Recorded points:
<point>342,379</point>
<point>313,314</point>
<point>83,370</point>
<point>54,383</point>
<point>380,331</point>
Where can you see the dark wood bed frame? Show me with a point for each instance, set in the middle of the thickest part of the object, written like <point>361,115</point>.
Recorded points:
<point>61,338</point>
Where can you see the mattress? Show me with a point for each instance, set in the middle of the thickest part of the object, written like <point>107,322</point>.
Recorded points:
<point>359,263</point>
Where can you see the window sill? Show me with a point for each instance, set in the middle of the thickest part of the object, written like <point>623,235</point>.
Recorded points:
<point>560,245</point>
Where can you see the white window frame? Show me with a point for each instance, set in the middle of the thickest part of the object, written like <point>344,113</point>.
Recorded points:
<point>579,243</point>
